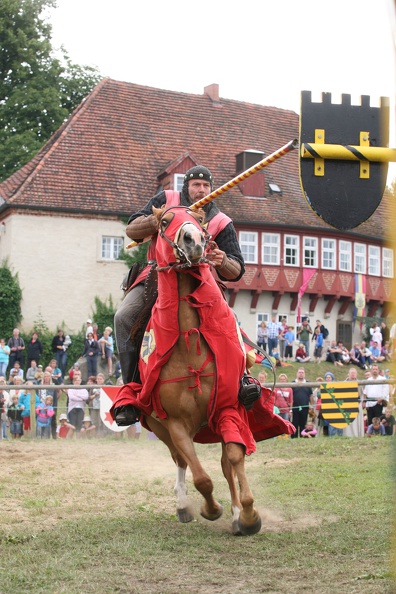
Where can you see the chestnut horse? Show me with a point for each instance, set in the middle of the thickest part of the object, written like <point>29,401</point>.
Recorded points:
<point>192,360</point>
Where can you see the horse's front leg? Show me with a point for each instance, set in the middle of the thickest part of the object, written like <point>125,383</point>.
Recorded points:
<point>182,505</point>
<point>249,521</point>
<point>211,509</point>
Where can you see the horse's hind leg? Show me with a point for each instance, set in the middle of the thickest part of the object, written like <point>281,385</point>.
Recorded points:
<point>249,521</point>
<point>182,506</point>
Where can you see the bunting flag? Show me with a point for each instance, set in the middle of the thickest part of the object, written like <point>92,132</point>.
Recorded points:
<point>307,275</point>
<point>360,297</point>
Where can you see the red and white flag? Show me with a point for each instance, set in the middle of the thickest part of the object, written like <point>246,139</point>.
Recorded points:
<point>107,397</point>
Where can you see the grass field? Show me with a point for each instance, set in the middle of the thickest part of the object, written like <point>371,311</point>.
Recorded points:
<point>99,517</point>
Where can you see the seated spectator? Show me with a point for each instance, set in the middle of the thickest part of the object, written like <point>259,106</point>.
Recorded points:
<point>88,429</point>
<point>39,374</point>
<point>275,355</point>
<point>385,351</point>
<point>309,430</point>
<point>356,357</point>
<point>31,372</point>
<point>16,371</point>
<point>346,359</point>
<point>301,354</point>
<point>334,353</point>
<point>375,351</point>
<point>365,354</point>
<point>64,430</point>
<point>56,372</point>
<point>388,421</point>
<point>376,428</point>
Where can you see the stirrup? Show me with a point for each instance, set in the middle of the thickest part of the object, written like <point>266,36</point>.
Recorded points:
<point>249,391</point>
<point>126,415</point>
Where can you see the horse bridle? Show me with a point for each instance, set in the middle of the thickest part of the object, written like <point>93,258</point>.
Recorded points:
<point>184,260</point>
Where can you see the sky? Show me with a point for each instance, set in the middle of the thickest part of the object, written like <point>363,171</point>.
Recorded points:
<point>264,52</point>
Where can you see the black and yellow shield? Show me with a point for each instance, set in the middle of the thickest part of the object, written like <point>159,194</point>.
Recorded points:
<point>344,193</point>
<point>340,403</point>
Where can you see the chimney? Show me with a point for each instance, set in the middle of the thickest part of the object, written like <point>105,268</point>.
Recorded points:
<point>213,92</point>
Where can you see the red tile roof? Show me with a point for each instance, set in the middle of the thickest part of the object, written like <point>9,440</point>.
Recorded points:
<point>108,156</point>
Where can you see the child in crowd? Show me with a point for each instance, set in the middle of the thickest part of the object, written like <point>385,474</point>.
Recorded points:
<point>88,429</point>
<point>309,430</point>
<point>301,355</point>
<point>44,414</point>
<point>318,344</point>
<point>289,340</point>
<point>64,429</point>
<point>275,355</point>
<point>14,414</point>
<point>376,428</point>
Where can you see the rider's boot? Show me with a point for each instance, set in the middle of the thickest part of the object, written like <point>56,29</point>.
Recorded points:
<point>128,414</point>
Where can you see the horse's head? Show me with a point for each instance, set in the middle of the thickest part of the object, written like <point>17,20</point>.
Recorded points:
<point>183,231</point>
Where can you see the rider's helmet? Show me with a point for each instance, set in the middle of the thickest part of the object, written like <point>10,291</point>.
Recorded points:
<point>196,172</point>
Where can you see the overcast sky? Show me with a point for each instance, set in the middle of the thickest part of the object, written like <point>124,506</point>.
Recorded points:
<point>263,52</point>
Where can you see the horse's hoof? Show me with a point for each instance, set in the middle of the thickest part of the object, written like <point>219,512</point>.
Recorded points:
<point>184,515</point>
<point>213,517</point>
<point>235,528</point>
<point>248,529</point>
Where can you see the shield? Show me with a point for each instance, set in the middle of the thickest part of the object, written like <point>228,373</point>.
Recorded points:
<point>340,403</point>
<point>107,397</point>
<point>344,193</point>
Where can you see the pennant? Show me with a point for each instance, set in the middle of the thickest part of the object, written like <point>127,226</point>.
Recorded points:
<point>307,275</point>
<point>360,297</point>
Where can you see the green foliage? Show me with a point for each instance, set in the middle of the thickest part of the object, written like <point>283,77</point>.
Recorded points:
<point>138,254</point>
<point>37,90</point>
<point>103,313</point>
<point>10,301</point>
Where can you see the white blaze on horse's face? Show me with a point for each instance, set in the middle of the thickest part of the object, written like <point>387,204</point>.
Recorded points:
<point>191,241</point>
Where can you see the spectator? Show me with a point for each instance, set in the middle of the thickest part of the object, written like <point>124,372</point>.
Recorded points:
<point>334,354</point>
<point>44,413</point>
<point>331,430</point>
<point>56,372</point>
<point>89,328</point>
<point>262,336</point>
<point>17,346</point>
<point>303,333</point>
<point>88,429</point>
<point>283,398</point>
<point>302,399</point>
<point>301,355</point>
<point>355,356</point>
<point>388,421</point>
<point>39,374</point>
<point>14,414</point>
<point>24,401</point>
<point>5,401</point>
<point>276,357</point>
<point>281,340</point>
<point>34,350</point>
<point>322,329</point>
<point>64,430</point>
<point>376,396</point>
<point>384,332</point>
<point>317,402</point>
<point>46,387</point>
<point>274,329</point>
<point>95,332</point>
<point>4,357</point>
<point>76,367</point>
<point>345,357</point>
<point>375,334</point>
<point>318,344</point>
<point>356,428</point>
<point>309,430</point>
<point>60,353</point>
<point>117,372</point>
<point>91,352</point>
<point>375,351</point>
<point>77,399</point>
<point>376,428</point>
<point>31,372</point>
<point>289,340</point>
<point>94,405</point>
<point>106,344</point>
<point>16,371</point>
<point>365,354</point>
<point>385,351</point>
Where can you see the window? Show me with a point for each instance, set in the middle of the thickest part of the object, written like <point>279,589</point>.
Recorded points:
<point>374,260</point>
<point>292,250</point>
<point>328,254</point>
<point>178,181</point>
<point>360,258</point>
<point>111,247</point>
<point>262,317</point>
<point>310,252</point>
<point>270,248</point>
<point>248,242</point>
<point>387,262</point>
<point>345,262</point>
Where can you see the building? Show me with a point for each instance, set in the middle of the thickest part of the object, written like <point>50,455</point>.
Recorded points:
<point>63,214</point>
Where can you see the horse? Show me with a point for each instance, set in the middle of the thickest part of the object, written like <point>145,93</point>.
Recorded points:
<point>192,361</point>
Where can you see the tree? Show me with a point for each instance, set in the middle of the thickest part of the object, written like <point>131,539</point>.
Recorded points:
<point>10,301</point>
<point>38,91</point>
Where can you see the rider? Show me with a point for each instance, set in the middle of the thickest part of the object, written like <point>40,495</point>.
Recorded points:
<point>226,257</point>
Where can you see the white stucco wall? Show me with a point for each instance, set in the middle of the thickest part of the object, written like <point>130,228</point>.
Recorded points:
<point>60,269</point>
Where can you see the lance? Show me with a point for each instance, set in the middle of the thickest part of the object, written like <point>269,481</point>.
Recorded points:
<point>241,177</point>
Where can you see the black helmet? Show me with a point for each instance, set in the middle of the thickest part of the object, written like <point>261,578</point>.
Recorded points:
<point>199,172</point>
